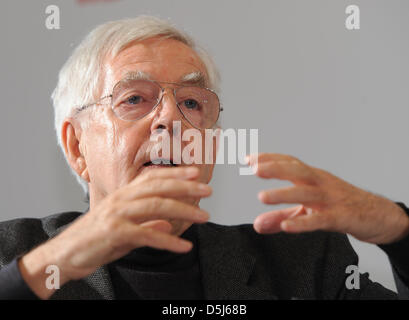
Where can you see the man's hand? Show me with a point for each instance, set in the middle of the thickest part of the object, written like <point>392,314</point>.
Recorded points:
<point>327,203</point>
<point>132,217</point>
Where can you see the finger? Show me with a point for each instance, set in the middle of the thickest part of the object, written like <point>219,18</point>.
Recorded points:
<point>182,173</point>
<point>158,225</point>
<point>303,194</point>
<point>171,188</point>
<point>163,208</point>
<point>269,222</point>
<point>139,237</point>
<point>305,223</point>
<point>294,171</point>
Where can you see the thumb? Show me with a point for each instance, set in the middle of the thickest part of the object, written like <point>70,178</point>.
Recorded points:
<point>310,221</point>
<point>269,222</point>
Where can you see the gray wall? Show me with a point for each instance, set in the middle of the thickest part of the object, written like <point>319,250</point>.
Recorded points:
<point>336,99</point>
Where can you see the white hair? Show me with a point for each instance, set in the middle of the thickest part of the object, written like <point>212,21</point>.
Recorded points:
<point>79,80</point>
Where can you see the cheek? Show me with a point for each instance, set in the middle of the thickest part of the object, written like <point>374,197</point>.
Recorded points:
<point>104,138</point>
<point>112,146</point>
<point>101,142</point>
<point>131,146</point>
<point>131,143</point>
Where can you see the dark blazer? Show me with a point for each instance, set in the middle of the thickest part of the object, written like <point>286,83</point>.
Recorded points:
<point>235,263</point>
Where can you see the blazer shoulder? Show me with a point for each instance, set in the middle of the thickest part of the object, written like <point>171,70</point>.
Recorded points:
<point>18,236</point>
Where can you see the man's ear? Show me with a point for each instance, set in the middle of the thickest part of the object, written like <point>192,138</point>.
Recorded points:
<point>70,137</point>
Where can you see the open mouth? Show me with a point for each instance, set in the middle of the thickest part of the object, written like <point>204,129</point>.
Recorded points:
<point>160,162</point>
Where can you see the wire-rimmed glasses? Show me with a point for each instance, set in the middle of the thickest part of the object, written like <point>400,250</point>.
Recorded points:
<point>133,99</point>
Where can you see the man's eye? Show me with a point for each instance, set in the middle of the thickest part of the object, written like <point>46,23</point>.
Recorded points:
<point>134,99</point>
<point>191,104</point>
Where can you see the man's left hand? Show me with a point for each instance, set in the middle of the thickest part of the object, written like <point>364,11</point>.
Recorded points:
<point>326,203</point>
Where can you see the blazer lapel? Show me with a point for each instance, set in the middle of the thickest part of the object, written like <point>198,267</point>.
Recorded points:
<point>228,271</point>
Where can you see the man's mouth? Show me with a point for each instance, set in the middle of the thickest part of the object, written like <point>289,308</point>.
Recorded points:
<point>160,162</point>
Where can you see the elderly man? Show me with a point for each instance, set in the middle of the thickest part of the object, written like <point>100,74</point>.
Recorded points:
<point>144,235</point>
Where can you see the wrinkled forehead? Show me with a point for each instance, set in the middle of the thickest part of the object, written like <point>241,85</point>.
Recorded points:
<point>166,60</point>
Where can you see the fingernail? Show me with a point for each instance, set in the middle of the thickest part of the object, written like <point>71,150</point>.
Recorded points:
<point>203,215</point>
<point>264,226</point>
<point>187,245</point>
<point>288,224</point>
<point>204,188</point>
<point>200,190</point>
<point>266,223</point>
<point>247,159</point>
<point>191,171</point>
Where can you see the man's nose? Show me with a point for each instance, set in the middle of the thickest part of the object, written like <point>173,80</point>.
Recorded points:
<point>166,112</point>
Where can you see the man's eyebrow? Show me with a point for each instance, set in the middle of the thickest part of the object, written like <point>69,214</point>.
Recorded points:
<point>196,78</point>
<point>136,75</point>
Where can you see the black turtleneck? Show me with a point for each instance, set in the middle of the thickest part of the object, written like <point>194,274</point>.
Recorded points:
<point>147,273</point>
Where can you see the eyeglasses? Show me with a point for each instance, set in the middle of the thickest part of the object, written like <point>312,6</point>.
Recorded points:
<point>133,99</point>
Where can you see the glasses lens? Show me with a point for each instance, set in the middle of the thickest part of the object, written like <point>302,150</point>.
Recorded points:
<point>133,99</point>
<point>200,106</point>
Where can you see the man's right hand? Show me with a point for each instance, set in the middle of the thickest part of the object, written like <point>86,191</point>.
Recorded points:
<point>131,217</point>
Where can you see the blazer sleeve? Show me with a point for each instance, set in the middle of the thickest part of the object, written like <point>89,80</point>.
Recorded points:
<point>341,279</point>
<point>339,249</point>
<point>12,284</point>
<point>17,237</point>
<point>398,254</point>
